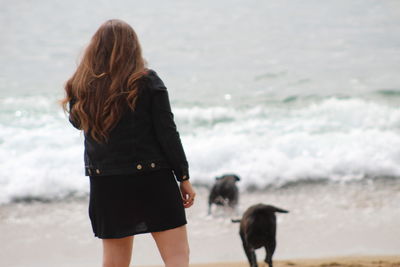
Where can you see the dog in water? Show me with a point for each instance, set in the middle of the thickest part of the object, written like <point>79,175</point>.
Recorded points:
<point>258,229</point>
<point>224,192</point>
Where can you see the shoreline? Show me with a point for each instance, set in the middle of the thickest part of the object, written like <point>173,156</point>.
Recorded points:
<point>321,229</point>
<point>339,261</point>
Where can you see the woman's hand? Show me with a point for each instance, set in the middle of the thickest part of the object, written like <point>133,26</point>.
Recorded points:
<point>188,193</point>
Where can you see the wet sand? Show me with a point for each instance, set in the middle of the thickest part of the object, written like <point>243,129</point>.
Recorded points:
<point>324,222</point>
<point>356,261</point>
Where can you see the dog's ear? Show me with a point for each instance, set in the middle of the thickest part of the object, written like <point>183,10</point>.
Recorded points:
<point>237,178</point>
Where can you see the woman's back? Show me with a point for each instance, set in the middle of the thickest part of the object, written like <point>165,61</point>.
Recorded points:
<point>132,148</point>
<point>143,139</point>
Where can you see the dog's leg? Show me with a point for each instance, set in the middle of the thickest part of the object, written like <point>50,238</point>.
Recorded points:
<point>253,257</point>
<point>236,210</point>
<point>269,252</point>
<point>250,254</point>
<point>209,208</point>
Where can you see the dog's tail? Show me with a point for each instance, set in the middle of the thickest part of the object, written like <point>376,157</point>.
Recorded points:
<point>236,220</point>
<point>276,209</point>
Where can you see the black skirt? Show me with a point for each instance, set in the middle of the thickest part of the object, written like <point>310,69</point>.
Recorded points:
<point>125,205</point>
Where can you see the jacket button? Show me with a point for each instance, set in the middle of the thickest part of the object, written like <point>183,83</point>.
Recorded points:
<point>153,165</point>
<point>139,167</point>
<point>97,171</point>
<point>90,171</point>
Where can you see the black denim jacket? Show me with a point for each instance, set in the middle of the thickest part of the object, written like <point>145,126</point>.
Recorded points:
<point>145,139</point>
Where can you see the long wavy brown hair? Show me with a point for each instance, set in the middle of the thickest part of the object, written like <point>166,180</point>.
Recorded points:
<point>106,80</point>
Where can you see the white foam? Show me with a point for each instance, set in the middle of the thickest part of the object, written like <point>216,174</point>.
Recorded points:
<point>334,139</point>
<point>41,155</point>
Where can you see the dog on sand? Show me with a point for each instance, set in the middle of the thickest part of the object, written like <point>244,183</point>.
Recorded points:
<point>258,229</point>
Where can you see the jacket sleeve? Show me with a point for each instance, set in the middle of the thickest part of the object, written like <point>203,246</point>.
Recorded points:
<point>165,128</point>
<point>74,123</point>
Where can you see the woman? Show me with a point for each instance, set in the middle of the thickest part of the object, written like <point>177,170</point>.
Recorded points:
<point>132,149</point>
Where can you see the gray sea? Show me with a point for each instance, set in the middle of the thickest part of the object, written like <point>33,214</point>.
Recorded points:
<point>290,95</point>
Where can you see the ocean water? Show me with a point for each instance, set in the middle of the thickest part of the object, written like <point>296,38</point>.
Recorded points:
<point>279,92</point>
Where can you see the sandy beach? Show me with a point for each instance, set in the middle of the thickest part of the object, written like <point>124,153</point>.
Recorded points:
<point>355,261</point>
<point>363,222</point>
<point>301,99</point>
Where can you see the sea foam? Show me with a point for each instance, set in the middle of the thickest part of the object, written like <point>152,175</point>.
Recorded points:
<point>331,139</point>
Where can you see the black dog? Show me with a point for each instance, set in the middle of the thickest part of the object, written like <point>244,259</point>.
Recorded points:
<point>224,192</point>
<point>258,229</point>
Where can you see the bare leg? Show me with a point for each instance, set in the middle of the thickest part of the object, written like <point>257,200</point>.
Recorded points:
<point>173,246</point>
<point>117,252</point>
